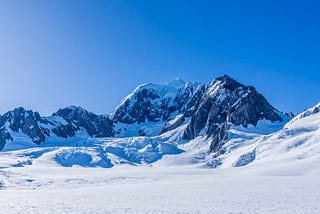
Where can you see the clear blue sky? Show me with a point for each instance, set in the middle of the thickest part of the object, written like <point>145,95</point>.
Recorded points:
<point>93,53</point>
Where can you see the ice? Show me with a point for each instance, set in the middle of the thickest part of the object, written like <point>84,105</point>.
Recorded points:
<point>155,190</point>
<point>268,168</point>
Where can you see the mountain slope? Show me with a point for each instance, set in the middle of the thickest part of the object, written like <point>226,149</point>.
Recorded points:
<point>296,147</point>
<point>225,124</point>
<point>225,103</point>
<point>95,125</point>
<point>150,107</point>
<point>155,109</point>
<point>20,125</point>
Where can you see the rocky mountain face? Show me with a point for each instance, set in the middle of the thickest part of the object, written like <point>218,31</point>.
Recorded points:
<point>151,109</point>
<point>227,102</point>
<point>28,122</point>
<point>211,109</point>
<point>65,124</point>
<point>154,103</point>
<point>95,125</point>
<point>205,110</point>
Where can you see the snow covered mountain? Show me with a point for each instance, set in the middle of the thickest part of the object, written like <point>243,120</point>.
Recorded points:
<point>150,108</point>
<point>295,147</point>
<point>160,108</point>
<point>226,103</point>
<point>224,124</point>
<point>25,125</point>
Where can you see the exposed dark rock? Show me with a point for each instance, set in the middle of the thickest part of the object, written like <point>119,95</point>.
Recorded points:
<point>65,123</point>
<point>176,124</point>
<point>290,115</point>
<point>27,122</point>
<point>245,159</point>
<point>65,131</point>
<point>77,117</point>
<point>190,97</point>
<point>220,135</point>
<point>4,136</point>
<point>156,103</point>
<point>141,132</point>
<point>227,101</point>
<point>315,110</point>
<point>143,109</point>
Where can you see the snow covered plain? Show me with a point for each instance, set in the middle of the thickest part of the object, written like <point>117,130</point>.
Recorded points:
<point>145,189</point>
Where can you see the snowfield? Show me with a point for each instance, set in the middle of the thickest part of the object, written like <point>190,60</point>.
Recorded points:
<point>268,168</point>
<point>130,189</point>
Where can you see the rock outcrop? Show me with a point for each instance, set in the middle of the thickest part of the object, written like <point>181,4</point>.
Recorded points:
<point>154,103</point>
<point>95,125</point>
<point>65,124</point>
<point>26,121</point>
<point>227,102</point>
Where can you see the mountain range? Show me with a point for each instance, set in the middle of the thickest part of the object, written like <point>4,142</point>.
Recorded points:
<point>223,124</point>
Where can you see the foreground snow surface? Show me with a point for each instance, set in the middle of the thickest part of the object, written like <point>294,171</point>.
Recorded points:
<point>130,189</point>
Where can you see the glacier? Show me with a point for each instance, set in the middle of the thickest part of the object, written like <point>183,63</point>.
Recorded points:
<point>154,154</point>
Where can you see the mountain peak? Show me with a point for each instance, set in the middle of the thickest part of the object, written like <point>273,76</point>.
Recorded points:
<point>21,113</point>
<point>19,110</point>
<point>177,82</point>
<point>154,102</point>
<point>75,108</point>
<point>225,77</point>
<point>227,82</point>
<point>70,110</point>
<point>228,102</point>
<point>95,125</point>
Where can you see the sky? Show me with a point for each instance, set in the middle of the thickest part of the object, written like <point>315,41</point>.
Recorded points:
<point>92,53</point>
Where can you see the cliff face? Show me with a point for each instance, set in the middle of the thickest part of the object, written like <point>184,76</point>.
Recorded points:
<point>227,102</point>
<point>28,122</point>
<point>95,125</point>
<point>155,103</point>
<point>64,124</point>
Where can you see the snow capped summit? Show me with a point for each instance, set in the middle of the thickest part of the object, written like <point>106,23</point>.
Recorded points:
<point>95,125</point>
<point>65,123</point>
<point>23,120</point>
<point>178,82</point>
<point>207,111</point>
<point>227,102</point>
<point>166,90</point>
<point>154,103</point>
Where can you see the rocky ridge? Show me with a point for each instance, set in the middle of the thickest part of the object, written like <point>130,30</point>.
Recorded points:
<point>65,123</point>
<point>227,102</point>
<point>205,110</point>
